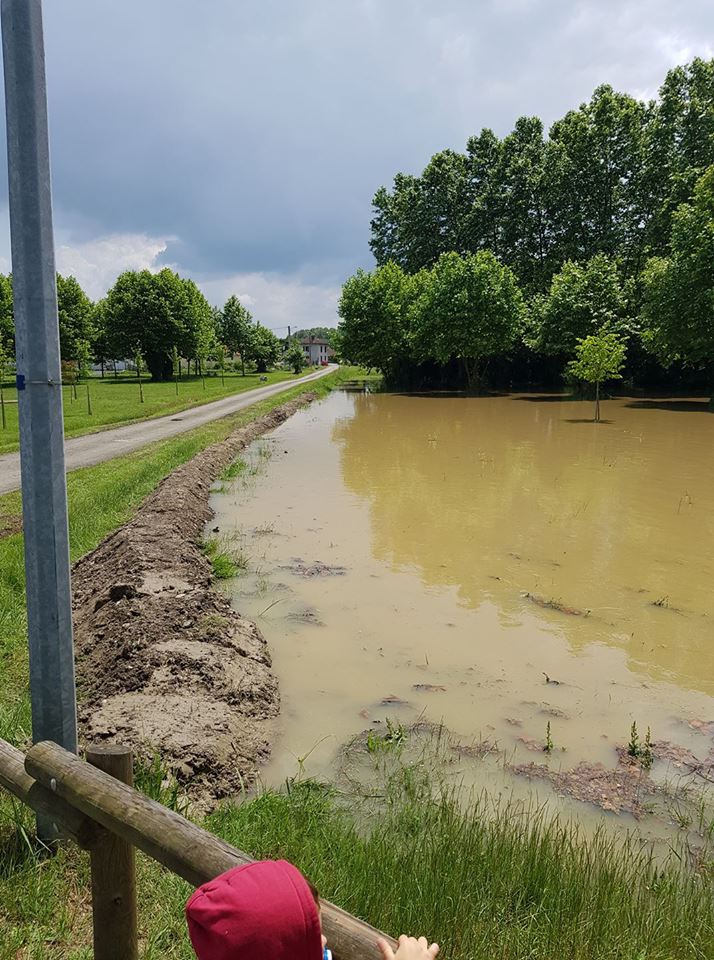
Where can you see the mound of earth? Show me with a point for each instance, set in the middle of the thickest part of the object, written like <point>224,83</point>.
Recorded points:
<point>164,664</point>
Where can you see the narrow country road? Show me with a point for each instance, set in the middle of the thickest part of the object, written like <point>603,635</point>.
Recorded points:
<point>93,448</point>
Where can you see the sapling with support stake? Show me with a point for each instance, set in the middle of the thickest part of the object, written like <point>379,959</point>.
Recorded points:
<point>176,363</point>
<point>138,361</point>
<point>3,361</point>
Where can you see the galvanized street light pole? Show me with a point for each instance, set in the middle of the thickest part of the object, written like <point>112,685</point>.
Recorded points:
<point>39,380</point>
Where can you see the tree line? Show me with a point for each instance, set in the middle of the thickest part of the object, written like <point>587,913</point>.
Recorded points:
<point>513,253</point>
<point>154,320</point>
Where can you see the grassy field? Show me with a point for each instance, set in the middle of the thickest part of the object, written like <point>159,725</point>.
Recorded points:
<point>498,883</point>
<point>118,400</point>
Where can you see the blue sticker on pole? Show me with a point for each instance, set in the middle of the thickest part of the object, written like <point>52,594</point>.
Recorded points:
<point>20,381</point>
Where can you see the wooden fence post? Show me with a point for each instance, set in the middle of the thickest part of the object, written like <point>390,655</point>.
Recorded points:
<point>112,859</point>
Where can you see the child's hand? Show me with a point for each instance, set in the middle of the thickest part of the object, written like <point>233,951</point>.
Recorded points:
<point>409,949</point>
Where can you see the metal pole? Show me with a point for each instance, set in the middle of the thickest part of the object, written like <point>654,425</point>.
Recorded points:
<point>39,381</point>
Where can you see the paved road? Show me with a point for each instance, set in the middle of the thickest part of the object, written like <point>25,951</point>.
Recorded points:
<point>93,448</point>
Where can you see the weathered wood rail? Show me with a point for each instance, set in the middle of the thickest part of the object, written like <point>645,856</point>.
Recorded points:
<point>109,818</point>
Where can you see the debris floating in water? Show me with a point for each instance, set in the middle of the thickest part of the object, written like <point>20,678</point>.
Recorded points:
<point>549,604</point>
<point>317,568</point>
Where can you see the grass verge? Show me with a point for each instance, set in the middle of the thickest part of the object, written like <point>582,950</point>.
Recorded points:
<point>486,881</point>
<point>111,401</point>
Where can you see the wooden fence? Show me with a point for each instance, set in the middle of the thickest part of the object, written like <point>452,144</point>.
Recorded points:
<point>95,805</point>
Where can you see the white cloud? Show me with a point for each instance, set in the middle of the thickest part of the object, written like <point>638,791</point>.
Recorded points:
<point>276,300</point>
<point>97,263</point>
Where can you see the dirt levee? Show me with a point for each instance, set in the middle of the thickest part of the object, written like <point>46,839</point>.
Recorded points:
<point>164,663</point>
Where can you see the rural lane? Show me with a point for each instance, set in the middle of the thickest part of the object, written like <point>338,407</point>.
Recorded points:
<point>93,448</point>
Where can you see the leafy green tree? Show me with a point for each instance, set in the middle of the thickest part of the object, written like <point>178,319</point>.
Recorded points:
<point>148,313</point>
<point>236,329</point>
<point>583,298</point>
<point>199,325</point>
<point>678,310</point>
<point>374,311</point>
<point>469,308</point>
<point>7,320</point>
<point>526,172</point>
<point>295,356</point>
<point>83,358</point>
<point>596,192</point>
<point>483,220</point>
<point>220,353</point>
<point>323,333</point>
<point>680,145</point>
<point>76,315</point>
<point>264,349</point>
<point>599,357</point>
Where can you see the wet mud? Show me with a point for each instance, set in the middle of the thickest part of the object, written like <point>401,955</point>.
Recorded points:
<point>164,663</point>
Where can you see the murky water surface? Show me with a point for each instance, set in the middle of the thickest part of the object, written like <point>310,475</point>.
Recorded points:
<point>490,546</point>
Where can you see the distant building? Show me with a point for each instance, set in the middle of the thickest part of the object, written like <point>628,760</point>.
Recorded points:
<point>316,350</point>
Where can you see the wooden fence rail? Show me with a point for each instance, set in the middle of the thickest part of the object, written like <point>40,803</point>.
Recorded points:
<point>89,803</point>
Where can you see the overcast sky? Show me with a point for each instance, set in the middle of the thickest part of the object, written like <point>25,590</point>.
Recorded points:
<point>241,141</point>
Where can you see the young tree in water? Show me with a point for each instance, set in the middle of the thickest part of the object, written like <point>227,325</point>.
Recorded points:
<point>678,310</point>
<point>236,329</point>
<point>470,308</point>
<point>599,357</point>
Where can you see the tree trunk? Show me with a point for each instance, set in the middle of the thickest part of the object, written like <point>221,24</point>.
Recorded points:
<point>160,366</point>
<point>242,363</point>
<point>102,368</point>
<point>597,402</point>
<point>116,372</point>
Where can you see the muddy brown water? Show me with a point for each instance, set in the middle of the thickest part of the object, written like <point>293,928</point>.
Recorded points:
<point>490,546</point>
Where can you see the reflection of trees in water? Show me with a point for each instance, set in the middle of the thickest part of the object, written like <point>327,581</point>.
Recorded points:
<point>467,490</point>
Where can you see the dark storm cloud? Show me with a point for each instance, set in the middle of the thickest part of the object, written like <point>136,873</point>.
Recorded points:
<point>255,133</point>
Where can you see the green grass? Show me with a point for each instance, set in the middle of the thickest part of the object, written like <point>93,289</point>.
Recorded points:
<point>223,565</point>
<point>115,401</point>
<point>486,882</point>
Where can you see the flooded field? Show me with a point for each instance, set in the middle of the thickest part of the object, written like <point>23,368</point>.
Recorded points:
<point>499,565</point>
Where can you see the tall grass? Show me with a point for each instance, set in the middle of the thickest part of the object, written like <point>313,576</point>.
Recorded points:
<point>485,881</point>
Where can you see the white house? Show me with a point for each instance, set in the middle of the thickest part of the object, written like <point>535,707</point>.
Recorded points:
<point>316,351</point>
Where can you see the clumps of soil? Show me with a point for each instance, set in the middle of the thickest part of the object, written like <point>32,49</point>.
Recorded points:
<point>301,568</point>
<point>10,524</point>
<point>164,664</point>
<point>623,789</point>
<point>429,687</point>
<point>678,756</point>
<point>476,750</point>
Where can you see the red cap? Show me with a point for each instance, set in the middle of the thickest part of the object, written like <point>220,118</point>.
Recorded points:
<point>261,911</point>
